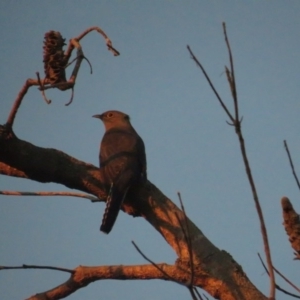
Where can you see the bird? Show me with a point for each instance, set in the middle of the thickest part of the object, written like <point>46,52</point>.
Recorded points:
<point>122,159</point>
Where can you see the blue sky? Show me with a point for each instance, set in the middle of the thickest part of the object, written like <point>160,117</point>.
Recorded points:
<point>189,146</point>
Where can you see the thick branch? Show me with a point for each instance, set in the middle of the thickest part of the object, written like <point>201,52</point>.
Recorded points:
<point>22,159</point>
<point>85,275</point>
<point>225,279</point>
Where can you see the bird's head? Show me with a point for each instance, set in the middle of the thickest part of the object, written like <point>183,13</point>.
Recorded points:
<point>114,119</point>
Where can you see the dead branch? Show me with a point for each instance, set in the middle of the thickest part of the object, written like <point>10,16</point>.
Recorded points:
<point>276,285</point>
<point>84,275</point>
<point>291,163</point>
<point>236,122</point>
<point>69,194</point>
<point>215,271</point>
<point>55,62</point>
<point>186,231</point>
<point>153,263</point>
<point>36,267</point>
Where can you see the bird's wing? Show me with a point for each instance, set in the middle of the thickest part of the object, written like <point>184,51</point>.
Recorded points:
<point>118,158</point>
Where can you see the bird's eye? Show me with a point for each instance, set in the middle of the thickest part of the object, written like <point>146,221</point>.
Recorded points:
<point>109,115</point>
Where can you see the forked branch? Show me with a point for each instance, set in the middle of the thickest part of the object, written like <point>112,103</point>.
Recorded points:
<point>236,122</point>
<point>55,63</point>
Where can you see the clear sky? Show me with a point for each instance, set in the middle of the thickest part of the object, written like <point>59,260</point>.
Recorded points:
<point>189,146</point>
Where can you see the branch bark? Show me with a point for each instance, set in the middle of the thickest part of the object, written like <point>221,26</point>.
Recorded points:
<point>214,270</point>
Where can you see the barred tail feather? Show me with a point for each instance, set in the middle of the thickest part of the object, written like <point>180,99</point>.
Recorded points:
<point>113,205</point>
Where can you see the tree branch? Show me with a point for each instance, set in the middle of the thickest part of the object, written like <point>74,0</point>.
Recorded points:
<point>47,193</point>
<point>84,275</point>
<point>236,122</point>
<point>226,278</point>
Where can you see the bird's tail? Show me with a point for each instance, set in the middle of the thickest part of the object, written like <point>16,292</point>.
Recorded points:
<point>113,205</point>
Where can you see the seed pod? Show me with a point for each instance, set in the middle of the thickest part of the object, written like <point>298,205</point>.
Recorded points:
<point>54,58</point>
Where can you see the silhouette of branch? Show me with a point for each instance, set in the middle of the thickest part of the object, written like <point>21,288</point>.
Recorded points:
<point>55,63</point>
<point>48,101</point>
<point>70,194</point>
<point>230,75</point>
<point>37,267</point>
<point>153,263</point>
<point>83,276</point>
<point>237,125</point>
<point>188,286</point>
<point>276,285</point>
<point>291,163</point>
<point>287,280</point>
<point>186,232</point>
<point>210,83</point>
<point>99,30</point>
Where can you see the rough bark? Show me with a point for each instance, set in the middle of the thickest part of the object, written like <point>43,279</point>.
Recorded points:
<point>214,270</point>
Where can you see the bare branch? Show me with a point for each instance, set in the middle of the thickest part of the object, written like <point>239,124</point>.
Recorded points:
<point>287,280</point>
<point>70,194</point>
<point>37,267</point>
<point>83,276</point>
<point>237,124</point>
<point>291,163</point>
<point>48,101</point>
<point>230,75</point>
<point>50,165</point>
<point>152,262</point>
<point>187,237</point>
<point>58,73</point>
<point>276,285</point>
<point>99,30</point>
<point>210,83</point>
<point>28,83</point>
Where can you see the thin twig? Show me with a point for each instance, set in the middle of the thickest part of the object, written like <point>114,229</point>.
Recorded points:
<point>28,83</point>
<point>186,234</point>
<point>71,99</point>
<point>48,101</point>
<point>205,297</point>
<point>37,267</point>
<point>188,238</point>
<point>45,84</point>
<point>197,293</point>
<point>291,163</point>
<point>277,286</point>
<point>193,295</point>
<point>154,264</point>
<point>90,65</point>
<point>71,194</point>
<point>287,280</point>
<point>238,131</point>
<point>237,124</point>
<point>232,76</point>
<point>210,83</point>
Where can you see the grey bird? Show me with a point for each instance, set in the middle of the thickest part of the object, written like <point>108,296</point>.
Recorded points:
<point>122,160</point>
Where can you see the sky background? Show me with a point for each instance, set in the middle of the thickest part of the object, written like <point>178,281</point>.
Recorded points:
<point>189,146</point>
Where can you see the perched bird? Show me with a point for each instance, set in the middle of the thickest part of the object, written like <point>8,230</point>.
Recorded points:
<point>123,161</point>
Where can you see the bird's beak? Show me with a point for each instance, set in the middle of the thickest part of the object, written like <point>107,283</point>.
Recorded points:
<point>98,117</point>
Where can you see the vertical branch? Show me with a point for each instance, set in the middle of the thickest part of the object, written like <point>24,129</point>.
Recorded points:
<point>291,163</point>
<point>237,125</point>
<point>238,130</point>
<point>55,62</point>
<point>259,212</point>
<point>28,83</point>
<point>232,77</point>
